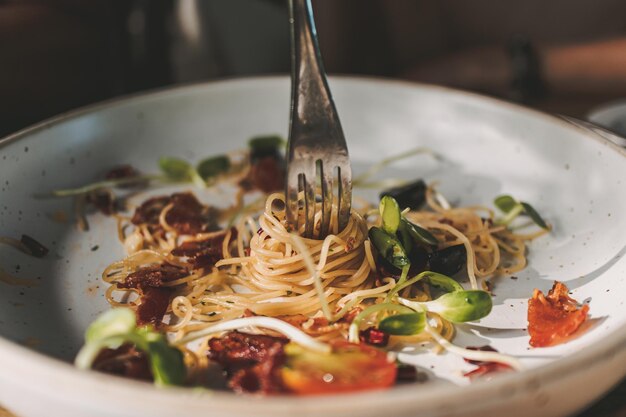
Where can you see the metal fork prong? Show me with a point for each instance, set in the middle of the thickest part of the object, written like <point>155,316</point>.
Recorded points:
<point>309,204</point>
<point>291,199</point>
<point>344,202</point>
<point>301,221</point>
<point>327,198</point>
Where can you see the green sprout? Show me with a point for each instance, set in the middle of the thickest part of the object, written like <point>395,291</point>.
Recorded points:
<point>119,326</point>
<point>458,306</point>
<point>404,324</point>
<point>513,208</point>
<point>266,143</point>
<point>212,167</point>
<point>389,247</point>
<point>390,214</point>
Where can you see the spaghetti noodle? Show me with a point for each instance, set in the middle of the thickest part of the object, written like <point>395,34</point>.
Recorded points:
<point>192,279</point>
<point>263,269</point>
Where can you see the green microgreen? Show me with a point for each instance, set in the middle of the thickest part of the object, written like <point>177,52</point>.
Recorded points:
<point>176,169</point>
<point>266,143</point>
<point>404,324</point>
<point>390,214</point>
<point>457,306</point>
<point>389,247</point>
<point>513,208</point>
<point>117,327</point>
<point>212,167</point>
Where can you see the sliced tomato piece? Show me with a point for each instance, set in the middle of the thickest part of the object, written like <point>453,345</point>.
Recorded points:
<point>350,367</point>
<point>553,318</point>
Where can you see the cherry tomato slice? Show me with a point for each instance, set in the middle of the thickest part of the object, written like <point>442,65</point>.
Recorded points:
<point>350,367</point>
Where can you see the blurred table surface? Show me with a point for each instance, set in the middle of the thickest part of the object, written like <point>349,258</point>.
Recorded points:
<point>612,404</point>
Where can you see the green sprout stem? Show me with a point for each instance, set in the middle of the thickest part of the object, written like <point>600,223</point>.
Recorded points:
<point>511,215</point>
<point>405,283</point>
<point>103,184</point>
<point>404,274</point>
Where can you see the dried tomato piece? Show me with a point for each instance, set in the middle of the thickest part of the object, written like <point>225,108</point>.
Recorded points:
<point>187,216</point>
<point>124,361</point>
<point>152,276</point>
<point>252,362</point>
<point>153,306</point>
<point>150,210</point>
<point>155,298</point>
<point>204,253</point>
<point>553,318</point>
<point>267,174</point>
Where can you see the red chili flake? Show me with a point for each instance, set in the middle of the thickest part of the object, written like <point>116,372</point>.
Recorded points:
<point>351,315</point>
<point>555,317</point>
<point>484,367</point>
<point>350,244</point>
<point>248,313</point>
<point>373,336</point>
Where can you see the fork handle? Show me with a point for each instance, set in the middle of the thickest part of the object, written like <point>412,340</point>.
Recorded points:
<point>312,107</point>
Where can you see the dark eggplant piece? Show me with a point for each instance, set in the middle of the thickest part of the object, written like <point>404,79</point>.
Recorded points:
<point>448,261</point>
<point>420,236</point>
<point>412,195</point>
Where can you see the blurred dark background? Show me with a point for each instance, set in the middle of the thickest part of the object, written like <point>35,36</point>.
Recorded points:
<point>562,56</point>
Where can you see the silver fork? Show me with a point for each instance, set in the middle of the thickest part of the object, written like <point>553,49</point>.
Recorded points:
<point>316,147</point>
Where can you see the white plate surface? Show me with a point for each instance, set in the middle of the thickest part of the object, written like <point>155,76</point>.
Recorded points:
<point>573,177</point>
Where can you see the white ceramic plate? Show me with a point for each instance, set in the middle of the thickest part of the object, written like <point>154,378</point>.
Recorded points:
<point>611,116</point>
<point>572,176</point>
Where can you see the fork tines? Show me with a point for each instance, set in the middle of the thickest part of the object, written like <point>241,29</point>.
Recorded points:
<point>319,203</point>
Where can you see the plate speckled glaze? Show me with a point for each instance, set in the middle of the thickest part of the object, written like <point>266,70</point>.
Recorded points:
<point>571,175</point>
